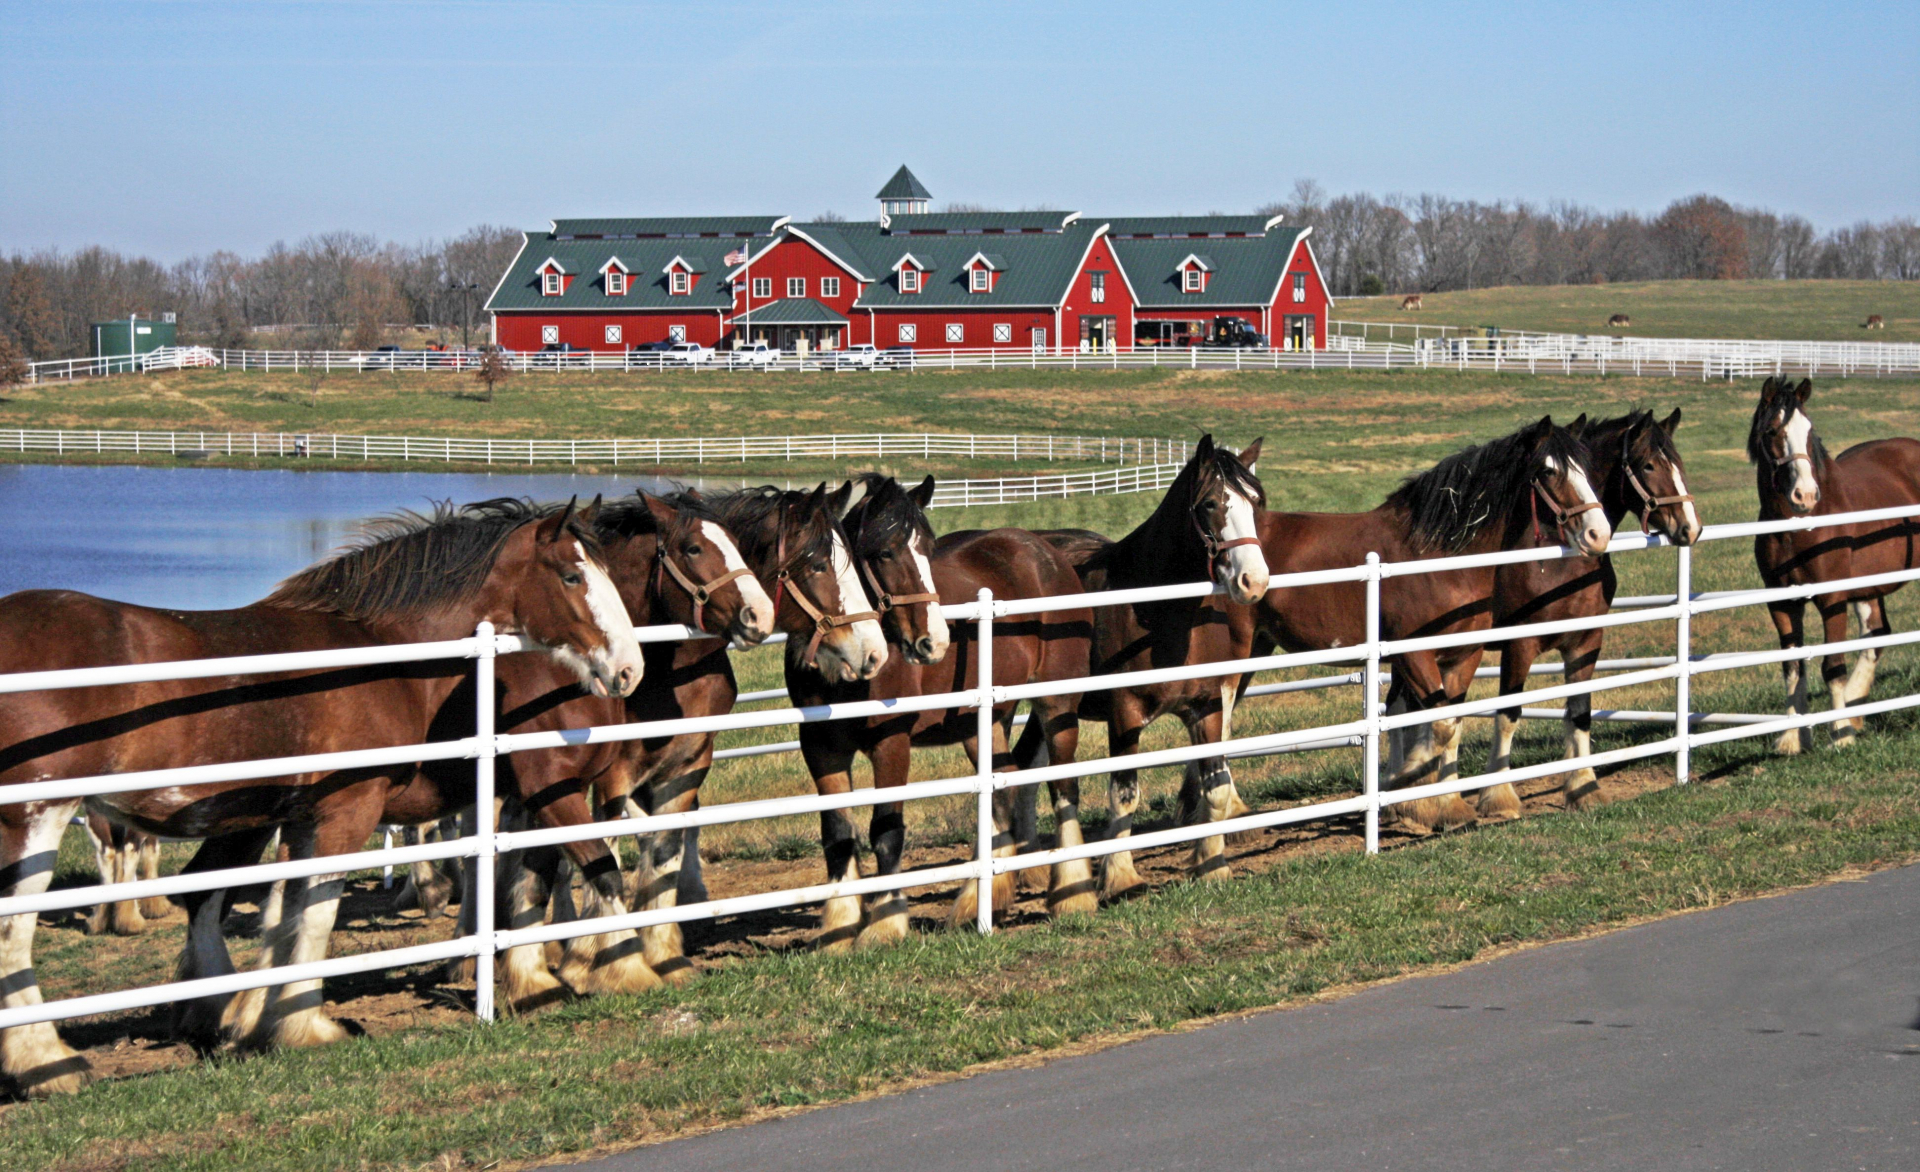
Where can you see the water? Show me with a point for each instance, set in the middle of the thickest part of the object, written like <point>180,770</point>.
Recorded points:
<point>207,538</point>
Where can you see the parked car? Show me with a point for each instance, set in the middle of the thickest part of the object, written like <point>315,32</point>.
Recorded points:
<point>898,357</point>
<point>865,356</point>
<point>759,354</point>
<point>688,354</point>
<point>1236,332</point>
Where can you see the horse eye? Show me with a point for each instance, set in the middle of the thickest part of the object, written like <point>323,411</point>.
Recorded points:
<point>571,578</point>
<point>821,567</point>
<point>1647,467</point>
<point>693,550</point>
<point>885,555</point>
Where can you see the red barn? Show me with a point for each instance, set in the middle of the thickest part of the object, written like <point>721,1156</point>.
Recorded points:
<point>1047,280</point>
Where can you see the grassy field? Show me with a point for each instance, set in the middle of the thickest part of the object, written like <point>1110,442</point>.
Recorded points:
<point>771,1026</point>
<point>1791,310</point>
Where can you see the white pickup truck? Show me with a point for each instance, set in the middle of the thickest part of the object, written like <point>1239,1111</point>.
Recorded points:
<point>862,357</point>
<point>759,354</point>
<point>686,354</point>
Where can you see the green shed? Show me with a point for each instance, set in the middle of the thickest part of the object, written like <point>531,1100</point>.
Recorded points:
<point>132,335</point>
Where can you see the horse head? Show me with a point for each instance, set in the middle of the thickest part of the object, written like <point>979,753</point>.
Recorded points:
<point>699,577</point>
<point>563,599</point>
<point>893,548</point>
<point>1224,501</point>
<point>1781,443</point>
<point>1654,477</point>
<point>1560,478</point>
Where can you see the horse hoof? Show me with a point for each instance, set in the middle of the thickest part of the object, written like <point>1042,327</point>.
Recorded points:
<point>1586,797</point>
<point>676,970</point>
<point>883,932</point>
<point>1408,826</point>
<point>1789,743</point>
<point>536,991</point>
<point>1072,903</point>
<point>304,1030</point>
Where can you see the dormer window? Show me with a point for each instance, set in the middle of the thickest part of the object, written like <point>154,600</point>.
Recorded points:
<point>553,278</point>
<point>909,280</point>
<point>983,270</point>
<point>616,283</point>
<point>678,282</point>
<point>550,283</point>
<point>1194,272</point>
<point>911,272</point>
<point>981,281</point>
<point>682,273</point>
<point>1190,280</point>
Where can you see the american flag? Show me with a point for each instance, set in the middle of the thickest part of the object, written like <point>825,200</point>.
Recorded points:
<point>736,257</point>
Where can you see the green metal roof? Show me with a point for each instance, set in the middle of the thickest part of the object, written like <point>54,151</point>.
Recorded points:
<point>983,223</point>
<point>646,260</point>
<point>1036,269</point>
<point>791,311</point>
<point>904,186</point>
<point>1246,271</point>
<point>680,226</point>
<point>1189,226</point>
<point>827,235</point>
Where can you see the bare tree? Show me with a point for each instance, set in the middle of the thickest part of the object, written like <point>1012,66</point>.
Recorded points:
<point>493,370</point>
<point>14,368</point>
<point>1704,238</point>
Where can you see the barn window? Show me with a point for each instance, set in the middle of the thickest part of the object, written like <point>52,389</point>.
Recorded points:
<point>613,335</point>
<point>956,332</point>
<point>679,284</point>
<point>549,335</point>
<point>982,281</point>
<point>1299,286</point>
<point>676,333</point>
<point>616,283</point>
<point>763,286</point>
<point>1003,331</point>
<point>550,283</point>
<point>1098,285</point>
<point>1191,279</point>
<point>829,286</point>
<point>796,286</point>
<point>909,280</point>
<point>908,331</point>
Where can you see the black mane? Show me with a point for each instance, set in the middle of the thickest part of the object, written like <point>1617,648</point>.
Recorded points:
<point>886,516</point>
<point>411,562</point>
<point>629,516</point>
<point>754,516</point>
<point>1763,421</point>
<point>1604,437</point>
<point>1451,503</point>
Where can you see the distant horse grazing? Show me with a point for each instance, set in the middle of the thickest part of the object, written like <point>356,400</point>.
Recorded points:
<point>1619,321</point>
<point>1410,301</point>
<point>1796,478</point>
<point>909,575</point>
<point>412,579</point>
<point>124,856</point>
<point>1875,322</point>
<point>1479,500</point>
<point>1206,528</point>
<point>1637,470</point>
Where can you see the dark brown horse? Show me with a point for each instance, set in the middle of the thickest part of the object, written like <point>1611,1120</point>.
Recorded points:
<point>910,574</point>
<point>1206,528</point>
<point>1639,471</point>
<point>1797,478</point>
<point>413,579</point>
<point>1479,500</point>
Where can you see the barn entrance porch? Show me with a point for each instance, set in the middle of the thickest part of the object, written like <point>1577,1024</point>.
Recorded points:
<point>1097,334</point>
<point>790,324</point>
<point>1297,331</point>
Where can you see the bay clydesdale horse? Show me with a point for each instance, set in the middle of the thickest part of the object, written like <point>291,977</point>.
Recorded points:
<point>1796,477</point>
<point>412,579</point>
<point>1485,498</point>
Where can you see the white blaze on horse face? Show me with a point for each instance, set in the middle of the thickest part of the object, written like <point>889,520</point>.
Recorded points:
<point>1806,490</point>
<point>856,651</point>
<point>937,634</point>
<point>1592,532</point>
<point>1686,507</point>
<point>756,609</point>
<point>1245,572</point>
<point>615,668</point>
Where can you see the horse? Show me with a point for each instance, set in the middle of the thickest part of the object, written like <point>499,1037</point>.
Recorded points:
<point>1619,321</point>
<point>1875,322</point>
<point>411,579</point>
<point>1797,478</point>
<point>1639,471</point>
<point>1206,528</point>
<point>124,856</point>
<point>909,575</point>
<point>1410,301</point>
<point>1478,500</point>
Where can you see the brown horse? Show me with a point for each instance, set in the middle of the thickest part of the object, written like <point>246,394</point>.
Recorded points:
<point>1479,500</point>
<point>910,575</point>
<point>1875,322</point>
<point>1797,478</point>
<point>1638,471</point>
<point>413,579</point>
<point>1410,301</point>
<point>1206,528</point>
<point>124,856</point>
<point>1619,321</point>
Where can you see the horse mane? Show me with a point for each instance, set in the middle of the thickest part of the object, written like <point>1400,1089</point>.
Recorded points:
<point>746,512</point>
<point>1451,503</point>
<point>1757,431</point>
<point>1615,429</point>
<point>407,562</point>
<point>629,516</point>
<point>886,514</point>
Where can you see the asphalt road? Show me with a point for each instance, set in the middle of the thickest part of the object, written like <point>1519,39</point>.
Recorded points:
<point>1774,1034</point>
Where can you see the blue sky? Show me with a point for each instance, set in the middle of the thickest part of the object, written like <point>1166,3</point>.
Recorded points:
<point>176,128</point>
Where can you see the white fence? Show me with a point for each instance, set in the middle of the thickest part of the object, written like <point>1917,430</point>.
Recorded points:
<point>1566,353</point>
<point>485,746</point>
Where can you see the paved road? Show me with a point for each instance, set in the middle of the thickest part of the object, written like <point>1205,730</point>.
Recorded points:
<point>1774,1034</point>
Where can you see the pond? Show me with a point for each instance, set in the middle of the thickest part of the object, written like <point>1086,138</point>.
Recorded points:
<point>207,538</point>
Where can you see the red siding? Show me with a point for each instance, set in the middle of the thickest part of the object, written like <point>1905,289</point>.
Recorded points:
<point>1316,299</point>
<point>587,331</point>
<point>1079,302</point>
<point>931,324</point>
<point>794,257</point>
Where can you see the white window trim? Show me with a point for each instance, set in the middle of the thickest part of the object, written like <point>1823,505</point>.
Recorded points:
<point>678,284</point>
<point>1299,287</point>
<point>981,281</point>
<point>796,286</point>
<point>549,335</point>
<point>552,284</point>
<point>829,286</point>
<point>763,286</point>
<point>676,333</point>
<point>616,283</point>
<point>956,332</point>
<point>1003,331</point>
<point>1193,281</point>
<point>612,335</point>
<point>909,332</point>
<point>909,280</point>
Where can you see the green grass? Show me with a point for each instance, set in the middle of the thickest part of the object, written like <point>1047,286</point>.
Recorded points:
<point>1790,310</point>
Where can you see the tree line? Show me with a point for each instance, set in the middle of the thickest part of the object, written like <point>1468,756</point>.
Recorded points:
<point>330,290</point>
<point>350,289</point>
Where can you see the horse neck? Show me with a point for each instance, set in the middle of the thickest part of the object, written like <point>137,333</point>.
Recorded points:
<point>1610,471</point>
<point>1166,547</point>
<point>630,562</point>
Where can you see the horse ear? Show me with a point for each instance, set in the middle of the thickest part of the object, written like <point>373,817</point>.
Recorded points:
<point>1579,426</point>
<point>556,525</point>
<point>1802,392</point>
<point>1671,423</point>
<point>591,513</point>
<point>1250,455</point>
<point>1542,429</point>
<point>922,494</point>
<point>663,513</point>
<point>1204,448</point>
<point>845,497</point>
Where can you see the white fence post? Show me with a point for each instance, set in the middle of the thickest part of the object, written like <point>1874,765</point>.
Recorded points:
<point>483,826</point>
<point>983,659</point>
<point>1370,698</point>
<point>1683,654</point>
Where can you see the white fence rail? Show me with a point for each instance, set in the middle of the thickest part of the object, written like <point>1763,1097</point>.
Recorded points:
<point>1622,354</point>
<point>1365,731</point>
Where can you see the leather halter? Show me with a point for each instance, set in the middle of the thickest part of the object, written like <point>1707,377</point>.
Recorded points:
<point>700,592</point>
<point>1561,516</point>
<point>1217,547</point>
<point>887,602</point>
<point>1649,501</point>
<point>822,621</point>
